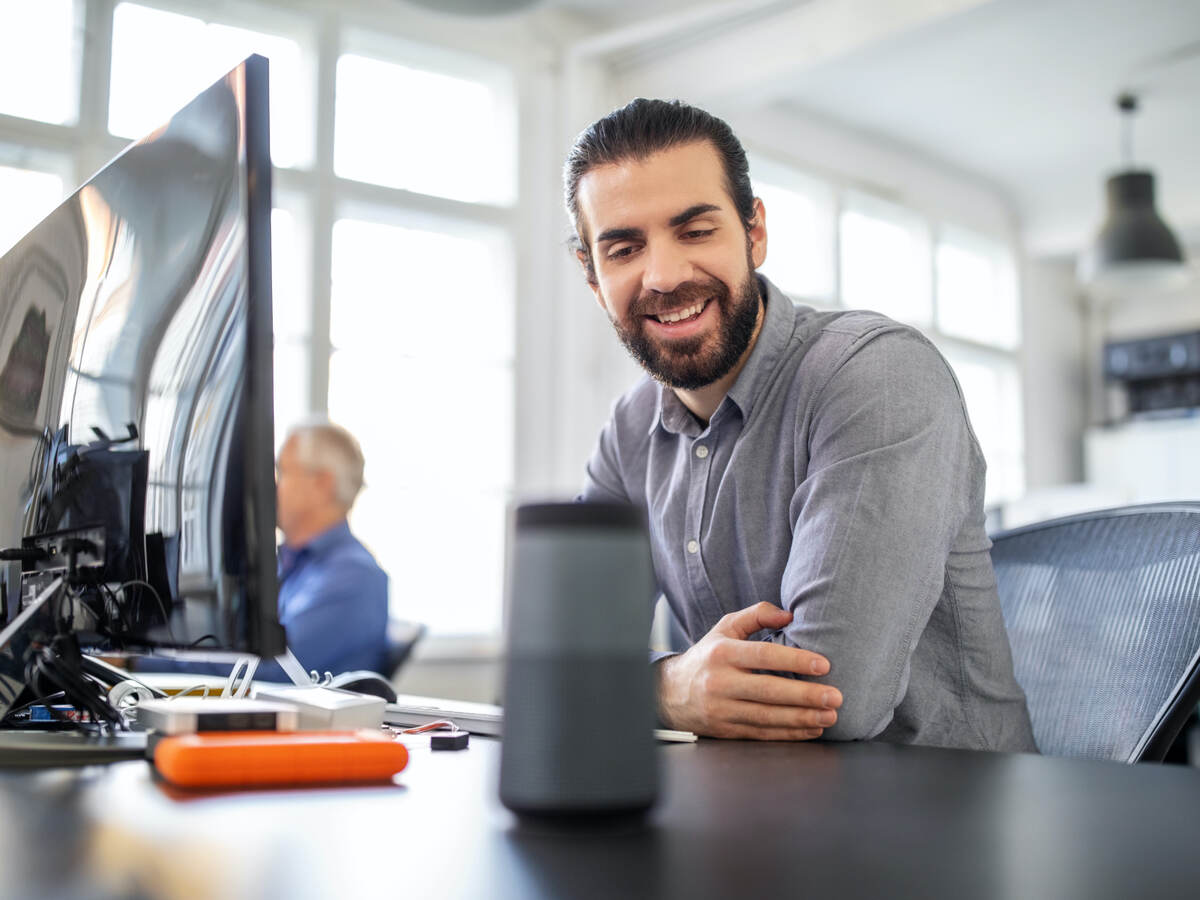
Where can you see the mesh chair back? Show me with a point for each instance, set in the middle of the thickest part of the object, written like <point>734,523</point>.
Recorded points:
<point>1103,613</point>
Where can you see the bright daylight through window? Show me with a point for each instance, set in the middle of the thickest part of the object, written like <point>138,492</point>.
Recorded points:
<point>27,197</point>
<point>885,262</point>
<point>394,253</point>
<point>800,227</point>
<point>161,59</point>
<point>39,60</point>
<point>428,390</point>
<point>348,248</point>
<point>429,140</point>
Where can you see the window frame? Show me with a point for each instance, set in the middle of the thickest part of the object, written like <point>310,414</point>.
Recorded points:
<point>936,226</point>
<point>311,192</point>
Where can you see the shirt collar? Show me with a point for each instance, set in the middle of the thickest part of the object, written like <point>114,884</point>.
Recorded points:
<point>324,541</point>
<point>779,321</point>
<point>673,416</point>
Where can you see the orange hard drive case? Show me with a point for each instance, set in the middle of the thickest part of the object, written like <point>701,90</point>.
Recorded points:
<point>262,758</point>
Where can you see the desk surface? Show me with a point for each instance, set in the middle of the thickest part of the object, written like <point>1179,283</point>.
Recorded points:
<point>735,820</point>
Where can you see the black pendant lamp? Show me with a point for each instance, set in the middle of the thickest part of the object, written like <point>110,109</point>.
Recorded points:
<point>1135,250</point>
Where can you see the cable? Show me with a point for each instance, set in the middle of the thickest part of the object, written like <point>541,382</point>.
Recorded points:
<point>439,725</point>
<point>23,554</point>
<point>195,687</point>
<point>41,669</point>
<point>161,605</point>
<point>456,740</point>
<point>59,664</point>
<point>113,611</point>
<point>111,676</point>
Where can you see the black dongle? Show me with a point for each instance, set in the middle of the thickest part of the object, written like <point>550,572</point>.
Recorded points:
<point>453,740</point>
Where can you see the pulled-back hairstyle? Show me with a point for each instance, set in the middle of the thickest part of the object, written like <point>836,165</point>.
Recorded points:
<point>640,129</point>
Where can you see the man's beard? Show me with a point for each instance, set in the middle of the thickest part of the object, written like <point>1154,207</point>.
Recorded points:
<point>687,363</point>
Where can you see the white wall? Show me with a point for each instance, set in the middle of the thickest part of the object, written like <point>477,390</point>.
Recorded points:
<point>926,185</point>
<point>1055,369</point>
<point>1156,313</point>
<point>477,680</point>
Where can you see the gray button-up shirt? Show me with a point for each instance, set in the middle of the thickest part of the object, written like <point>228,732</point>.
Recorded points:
<point>839,479</point>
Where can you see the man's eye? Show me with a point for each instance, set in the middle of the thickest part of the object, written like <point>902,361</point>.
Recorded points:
<point>699,233</point>
<point>620,252</point>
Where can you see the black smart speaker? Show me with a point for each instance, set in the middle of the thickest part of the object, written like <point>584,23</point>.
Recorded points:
<point>579,709</point>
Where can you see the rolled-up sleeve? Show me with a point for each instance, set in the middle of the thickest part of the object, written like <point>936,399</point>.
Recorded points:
<point>885,492</point>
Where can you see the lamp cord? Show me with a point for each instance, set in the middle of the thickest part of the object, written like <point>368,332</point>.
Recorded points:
<point>1128,105</point>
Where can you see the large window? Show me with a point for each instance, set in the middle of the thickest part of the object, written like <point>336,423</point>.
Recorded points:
<point>885,263</point>
<point>161,59</point>
<point>396,232</point>
<point>977,296</point>
<point>429,387</point>
<point>292,309</point>
<point>392,252</point>
<point>28,196</point>
<point>991,386</point>
<point>438,133</point>
<point>801,237</point>
<point>842,246</point>
<point>39,59</point>
<point>428,390</point>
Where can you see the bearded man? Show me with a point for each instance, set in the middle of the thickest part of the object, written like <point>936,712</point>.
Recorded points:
<point>812,483</point>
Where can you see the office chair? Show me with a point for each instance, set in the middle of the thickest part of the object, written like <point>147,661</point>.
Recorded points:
<point>402,636</point>
<point>1103,614</point>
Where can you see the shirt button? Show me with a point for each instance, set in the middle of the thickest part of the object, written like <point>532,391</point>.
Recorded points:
<point>693,547</point>
<point>701,451</point>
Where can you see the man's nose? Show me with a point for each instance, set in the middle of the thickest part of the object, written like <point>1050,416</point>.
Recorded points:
<point>667,267</point>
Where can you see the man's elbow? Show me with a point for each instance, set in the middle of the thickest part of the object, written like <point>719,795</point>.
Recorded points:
<point>858,722</point>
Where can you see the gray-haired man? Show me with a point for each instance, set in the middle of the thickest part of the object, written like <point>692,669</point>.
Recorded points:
<point>333,597</point>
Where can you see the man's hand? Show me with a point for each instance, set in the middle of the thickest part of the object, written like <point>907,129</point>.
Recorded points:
<point>713,688</point>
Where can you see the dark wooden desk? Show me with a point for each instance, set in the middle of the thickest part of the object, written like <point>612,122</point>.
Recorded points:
<point>736,820</point>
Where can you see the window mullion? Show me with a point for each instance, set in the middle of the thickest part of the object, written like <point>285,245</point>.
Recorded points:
<point>935,239</point>
<point>328,49</point>
<point>839,206</point>
<point>95,72</point>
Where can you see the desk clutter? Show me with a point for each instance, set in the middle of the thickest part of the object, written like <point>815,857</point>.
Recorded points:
<point>282,736</point>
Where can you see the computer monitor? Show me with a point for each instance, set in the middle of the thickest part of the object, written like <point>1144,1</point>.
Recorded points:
<point>136,412</point>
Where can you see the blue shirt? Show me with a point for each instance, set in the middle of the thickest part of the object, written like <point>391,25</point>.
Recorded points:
<point>333,603</point>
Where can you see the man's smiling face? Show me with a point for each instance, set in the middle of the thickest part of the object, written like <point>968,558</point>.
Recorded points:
<point>674,265</point>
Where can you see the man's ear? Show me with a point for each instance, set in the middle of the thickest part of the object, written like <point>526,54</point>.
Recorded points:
<point>757,233</point>
<point>589,274</point>
<point>326,485</point>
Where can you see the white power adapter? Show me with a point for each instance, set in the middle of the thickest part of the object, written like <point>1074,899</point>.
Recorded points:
<point>327,709</point>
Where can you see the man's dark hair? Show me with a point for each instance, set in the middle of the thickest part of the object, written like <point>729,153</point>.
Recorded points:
<point>642,128</point>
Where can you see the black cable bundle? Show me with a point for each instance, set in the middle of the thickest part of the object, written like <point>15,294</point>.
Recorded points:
<point>58,667</point>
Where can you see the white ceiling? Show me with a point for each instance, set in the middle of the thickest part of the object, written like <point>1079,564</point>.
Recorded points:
<point>1018,92</point>
<point>1021,92</point>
